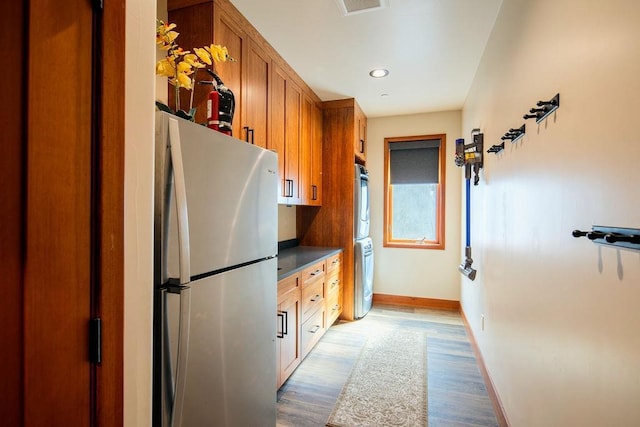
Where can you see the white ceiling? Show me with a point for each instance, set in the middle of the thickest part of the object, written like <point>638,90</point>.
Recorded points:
<point>431,48</point>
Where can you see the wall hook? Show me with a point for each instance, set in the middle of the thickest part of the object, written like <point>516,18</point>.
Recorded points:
<point>514,134</point>
<point>496,148</point>
<point>546,108</point>
<point>613,236</point>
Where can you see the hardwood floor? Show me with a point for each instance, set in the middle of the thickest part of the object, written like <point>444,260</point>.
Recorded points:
<point>457,396</point>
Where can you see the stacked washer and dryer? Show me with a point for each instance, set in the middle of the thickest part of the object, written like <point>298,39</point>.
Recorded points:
<point>363,244</point>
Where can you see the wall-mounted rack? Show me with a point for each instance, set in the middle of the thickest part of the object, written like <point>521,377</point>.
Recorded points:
<point>543,109</point>
<point>514,134</point>
<point>496,148</point>
<point>614,236</point>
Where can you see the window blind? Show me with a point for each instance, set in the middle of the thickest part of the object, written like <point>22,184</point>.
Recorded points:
<point>414,162</point>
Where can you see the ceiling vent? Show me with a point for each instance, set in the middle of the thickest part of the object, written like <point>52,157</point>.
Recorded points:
<point>351,7</point>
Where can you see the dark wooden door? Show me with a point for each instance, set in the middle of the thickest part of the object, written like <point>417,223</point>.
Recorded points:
<point>61,245</point>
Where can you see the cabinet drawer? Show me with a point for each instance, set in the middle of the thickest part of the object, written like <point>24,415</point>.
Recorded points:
<point>288,285</point>
<point>312,298</point>
<point>334,262</point>
<point>333,307</point>
<point>313,273</point>
<point>332,283</point>
<point>312,330</point>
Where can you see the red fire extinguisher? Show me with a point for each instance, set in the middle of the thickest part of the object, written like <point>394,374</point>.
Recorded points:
<point>213,108</point>
<point>220,106</point>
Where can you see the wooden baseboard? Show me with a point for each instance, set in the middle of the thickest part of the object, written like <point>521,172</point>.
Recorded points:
<point>491,390</point>
<point>440,304</point>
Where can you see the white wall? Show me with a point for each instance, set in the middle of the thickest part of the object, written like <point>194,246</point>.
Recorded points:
<point>138,222</point>
<point>562,325</point>
<point>286,222</point>
<point>423,273</point>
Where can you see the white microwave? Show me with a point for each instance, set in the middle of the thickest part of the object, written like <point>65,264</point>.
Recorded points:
<point>361,202</point>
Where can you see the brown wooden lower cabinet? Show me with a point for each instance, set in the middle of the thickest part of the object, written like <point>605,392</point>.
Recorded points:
<point>308,304</point>
<point>288,354</point>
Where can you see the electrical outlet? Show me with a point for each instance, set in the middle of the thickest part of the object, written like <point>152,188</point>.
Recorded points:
<point>482,322</point>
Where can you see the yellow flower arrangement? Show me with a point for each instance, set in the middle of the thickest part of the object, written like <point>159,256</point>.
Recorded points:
<point>181,66</point>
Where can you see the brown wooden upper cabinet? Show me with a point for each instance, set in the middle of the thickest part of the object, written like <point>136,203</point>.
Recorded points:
<point>275,109</point>
<point>286,104</point>
<point>361,135</point>
<point>311,152</point>
<point>255,103</point>
<point>248,76</point>
<point>316,156</point>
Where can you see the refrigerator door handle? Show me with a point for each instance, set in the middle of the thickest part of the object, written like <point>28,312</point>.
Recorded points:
<point>182,357</point>
<point>280,333</point>
<point>181,201</point>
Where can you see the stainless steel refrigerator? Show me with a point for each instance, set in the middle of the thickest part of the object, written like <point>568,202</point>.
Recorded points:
<point>215,278</point>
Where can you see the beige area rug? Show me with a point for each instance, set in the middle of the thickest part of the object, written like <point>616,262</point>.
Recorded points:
<point>388,384</point>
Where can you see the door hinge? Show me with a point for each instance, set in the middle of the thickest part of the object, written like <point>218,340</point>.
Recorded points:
<point>95,340</point>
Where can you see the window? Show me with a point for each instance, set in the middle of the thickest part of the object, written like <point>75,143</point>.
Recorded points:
<point>414,169</point>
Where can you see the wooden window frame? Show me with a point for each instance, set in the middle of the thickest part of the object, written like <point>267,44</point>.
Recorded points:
<point>439,242</point>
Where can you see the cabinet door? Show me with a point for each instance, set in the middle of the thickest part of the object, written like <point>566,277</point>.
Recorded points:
<point>311,152</point>
<point>289,336</point>
<point>228,33</point>
<point>277,141</point>
<point>316,156</point>
<point>286,100</point>
<point>195,24</point>
<point>256,96</point>
<point>307,191</point>
<point>293,102</point>
<point>361,136</point>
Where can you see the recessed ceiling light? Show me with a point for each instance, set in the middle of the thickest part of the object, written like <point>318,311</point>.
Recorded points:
<point>379,72</point>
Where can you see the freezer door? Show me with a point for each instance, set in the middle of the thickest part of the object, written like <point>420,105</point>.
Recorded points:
<point>230,373</point>
<point>231,198</point>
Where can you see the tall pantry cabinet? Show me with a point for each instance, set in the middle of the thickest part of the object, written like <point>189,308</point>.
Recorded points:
<point>343,144</point>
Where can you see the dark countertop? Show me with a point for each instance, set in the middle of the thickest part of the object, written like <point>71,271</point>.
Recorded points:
<point>295,259</point>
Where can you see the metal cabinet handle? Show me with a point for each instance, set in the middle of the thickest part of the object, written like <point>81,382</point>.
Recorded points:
<point>334,283</point>
<point>248,131</point>
<point>314,192</point>
<point>288,191</point>
<point>318,271</point>
<point>285,329</point>
<point>316,298</point>
<point>362,146</point>
<point>314,329</point>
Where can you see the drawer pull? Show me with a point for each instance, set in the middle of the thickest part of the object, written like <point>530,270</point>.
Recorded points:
<point>318,271</point>
<point>316,298</point>
<point>335,261</point>
<point>334,283</point>
<point>314,329</point>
